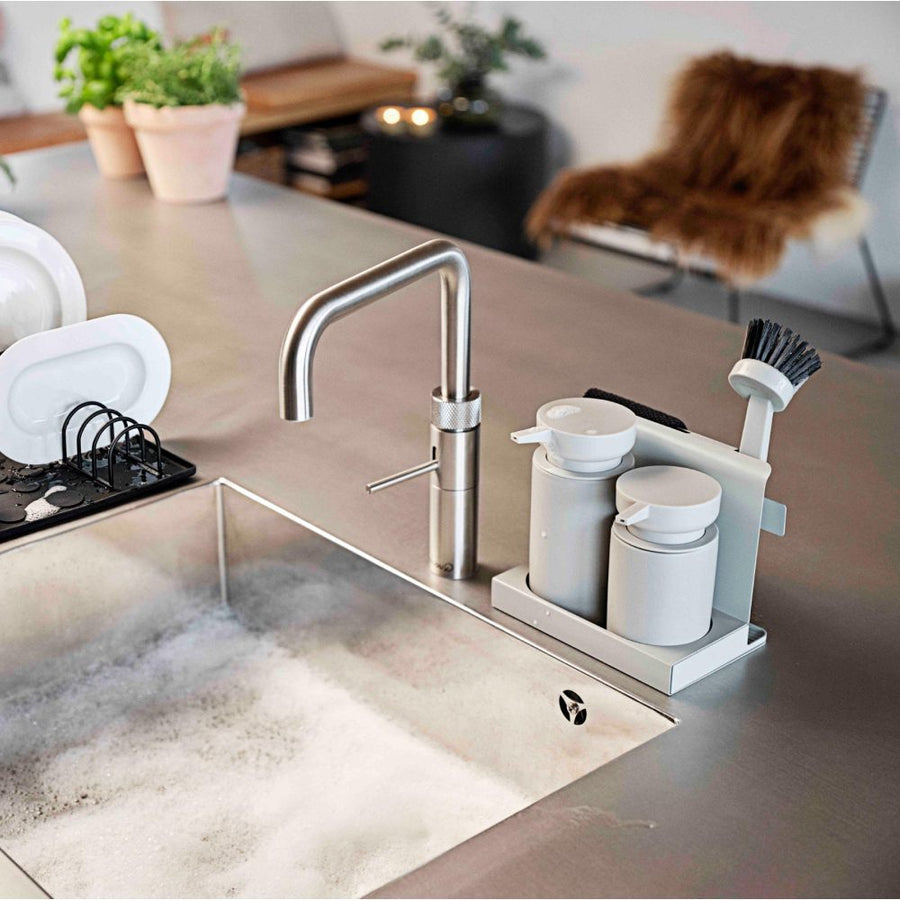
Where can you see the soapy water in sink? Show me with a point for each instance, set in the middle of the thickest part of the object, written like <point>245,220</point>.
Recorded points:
<point>328,732</point>
<point>218,764</point>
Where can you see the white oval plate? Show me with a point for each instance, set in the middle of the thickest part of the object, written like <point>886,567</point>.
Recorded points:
<point>121,361</point>
<point>40,288</point>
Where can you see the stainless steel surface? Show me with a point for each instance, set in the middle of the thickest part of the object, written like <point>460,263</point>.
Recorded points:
<point>453,517</point>
<point>413,472</point>
<point>16,883</point>
<point>328,708</point>
<point>779,779</point>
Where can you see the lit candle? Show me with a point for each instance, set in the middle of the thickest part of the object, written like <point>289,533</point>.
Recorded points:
<point>390,119</point>
<point>422,121</point>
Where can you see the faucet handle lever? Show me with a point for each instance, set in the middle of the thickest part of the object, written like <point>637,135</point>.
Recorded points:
<point>431,466</point>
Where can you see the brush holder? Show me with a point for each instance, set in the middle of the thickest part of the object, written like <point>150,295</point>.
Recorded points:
<point>744,511</point>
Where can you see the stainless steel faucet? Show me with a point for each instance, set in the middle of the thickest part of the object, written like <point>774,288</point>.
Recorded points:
<point>455,406</point>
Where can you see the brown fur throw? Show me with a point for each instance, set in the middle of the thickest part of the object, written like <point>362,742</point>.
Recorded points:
<point>755,154</point>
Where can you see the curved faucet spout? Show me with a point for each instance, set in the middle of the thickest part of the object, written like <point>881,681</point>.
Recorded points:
<point>455,406</point>
<point>325,307</point>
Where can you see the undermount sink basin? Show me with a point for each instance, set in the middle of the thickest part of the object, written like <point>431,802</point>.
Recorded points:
<point>203,696</point>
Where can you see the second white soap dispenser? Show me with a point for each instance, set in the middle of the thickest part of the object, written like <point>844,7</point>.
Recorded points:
<point>585,445</point>
<point>663,553</point>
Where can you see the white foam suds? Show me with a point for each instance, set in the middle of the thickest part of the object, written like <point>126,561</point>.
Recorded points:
<point>218,763</point>
<point>331,730</point>
<point>42,508</point>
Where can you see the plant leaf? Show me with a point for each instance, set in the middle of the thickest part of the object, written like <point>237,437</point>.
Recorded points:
<point>7,171</point>
<point>477,49</point>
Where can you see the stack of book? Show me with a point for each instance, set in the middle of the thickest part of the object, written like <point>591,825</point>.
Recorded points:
<point>328,159</point>
<point>262,156</point>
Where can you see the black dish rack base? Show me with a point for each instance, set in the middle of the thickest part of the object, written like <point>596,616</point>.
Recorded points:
<point>132,465</point>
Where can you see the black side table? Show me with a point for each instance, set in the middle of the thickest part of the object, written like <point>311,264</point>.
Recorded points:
<point>472,184</point>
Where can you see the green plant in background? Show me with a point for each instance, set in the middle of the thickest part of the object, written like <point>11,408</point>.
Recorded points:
<point>7,171</point>
<point>466,50</point>
<point>103,58</point>
<point>196,73</point>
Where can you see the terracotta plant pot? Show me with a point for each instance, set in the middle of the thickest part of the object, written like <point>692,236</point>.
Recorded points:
<point>188,150</point>
<point>112,142</point>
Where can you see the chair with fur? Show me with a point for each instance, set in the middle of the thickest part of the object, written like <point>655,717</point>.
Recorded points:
<point>755,155</point>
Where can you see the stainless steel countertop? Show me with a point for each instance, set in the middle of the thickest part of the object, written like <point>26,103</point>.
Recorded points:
<point>782,778</point>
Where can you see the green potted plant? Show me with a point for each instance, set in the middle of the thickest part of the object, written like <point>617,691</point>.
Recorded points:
<point>185,106</point>
<point>91,88</point>
<point>466,53</point>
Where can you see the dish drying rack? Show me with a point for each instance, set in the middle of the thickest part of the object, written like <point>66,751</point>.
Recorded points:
<point>116,460</point>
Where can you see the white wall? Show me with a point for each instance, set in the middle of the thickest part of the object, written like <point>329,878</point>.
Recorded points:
<point>31,30</point>
<point>605,83</point>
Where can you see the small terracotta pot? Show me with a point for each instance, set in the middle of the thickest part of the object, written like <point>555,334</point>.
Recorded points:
<point>112,142</point>
<point>188,150</point>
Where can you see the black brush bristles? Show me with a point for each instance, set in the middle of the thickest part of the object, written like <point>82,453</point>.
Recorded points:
<point>778,346</point>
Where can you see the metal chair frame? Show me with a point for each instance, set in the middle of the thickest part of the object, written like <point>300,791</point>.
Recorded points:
<point>875,105</point>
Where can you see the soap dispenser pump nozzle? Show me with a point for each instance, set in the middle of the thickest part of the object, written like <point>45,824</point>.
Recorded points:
<point>582,434</point>
<point>537,434</point>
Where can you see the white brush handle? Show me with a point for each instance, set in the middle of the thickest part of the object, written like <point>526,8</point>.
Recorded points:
<point>757,428</point>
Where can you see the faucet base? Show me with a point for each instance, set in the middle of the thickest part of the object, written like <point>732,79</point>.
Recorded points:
<point>454,533</point>
<point>453,503</point>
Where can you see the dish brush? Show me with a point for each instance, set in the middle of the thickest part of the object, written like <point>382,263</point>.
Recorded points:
<point>775,364</point>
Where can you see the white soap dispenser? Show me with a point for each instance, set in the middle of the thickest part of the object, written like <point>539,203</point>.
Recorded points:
<point>585,445</point>
<point>663,552</point>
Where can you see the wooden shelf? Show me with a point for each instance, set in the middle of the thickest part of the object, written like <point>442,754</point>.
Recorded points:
<point>276,99</point>
<point>31,131</point>
<point>321,90</point>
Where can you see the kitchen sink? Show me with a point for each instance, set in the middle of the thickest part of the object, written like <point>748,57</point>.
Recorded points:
<point>205,696</point>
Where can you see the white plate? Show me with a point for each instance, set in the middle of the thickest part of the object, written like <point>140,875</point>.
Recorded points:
<point>121,361</point>
<point>40,287</point>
